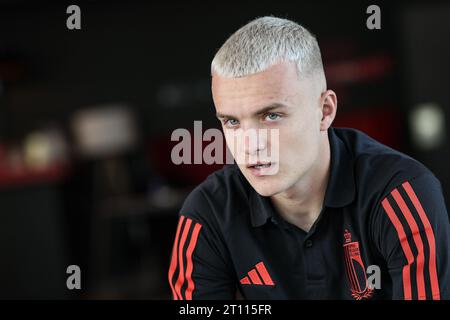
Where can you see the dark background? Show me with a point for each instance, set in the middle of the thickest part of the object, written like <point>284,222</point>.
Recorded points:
<point>114,213</point>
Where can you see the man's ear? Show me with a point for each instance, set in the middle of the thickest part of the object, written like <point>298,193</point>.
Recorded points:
<point>328,104</point>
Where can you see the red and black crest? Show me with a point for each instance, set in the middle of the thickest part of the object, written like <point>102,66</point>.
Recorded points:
<point>355,269</point>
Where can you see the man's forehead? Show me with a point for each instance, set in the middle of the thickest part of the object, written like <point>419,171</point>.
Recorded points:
<point>272,76</point>
<point>254,92</point>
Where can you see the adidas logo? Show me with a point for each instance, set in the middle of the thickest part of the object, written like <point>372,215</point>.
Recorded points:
<point>258,276</point>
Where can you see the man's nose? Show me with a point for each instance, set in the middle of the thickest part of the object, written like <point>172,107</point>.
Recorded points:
<point>254,141</point>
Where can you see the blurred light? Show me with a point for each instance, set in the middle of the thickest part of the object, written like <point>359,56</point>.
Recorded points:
<point>104,131</point>
<point>44,148</point>
<point>427,123</point>
<point>37,151</point>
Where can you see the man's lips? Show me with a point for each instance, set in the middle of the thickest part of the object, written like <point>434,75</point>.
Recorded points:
<point>259,165</point>
<point>260,169</point>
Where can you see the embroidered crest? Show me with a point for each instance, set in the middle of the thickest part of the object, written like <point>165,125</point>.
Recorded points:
<point>356,272</point>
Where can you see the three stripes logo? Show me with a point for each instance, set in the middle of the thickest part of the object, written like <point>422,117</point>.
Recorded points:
<point>181,265</point>
<point>408,217</point>
<point>258,276</point>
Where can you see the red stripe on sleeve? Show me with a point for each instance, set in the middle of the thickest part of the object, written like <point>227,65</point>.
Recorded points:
<point>421,293</point>
<point>174,261</point>
<point>405,246</point>
<point>430,237</point>
<point>180,280</point>
<point>189,267</point>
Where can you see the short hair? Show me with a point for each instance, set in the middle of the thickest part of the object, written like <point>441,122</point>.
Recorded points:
<point>264,42</point>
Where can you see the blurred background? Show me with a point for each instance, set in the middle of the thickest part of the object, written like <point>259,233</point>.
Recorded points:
<point>86,118</point>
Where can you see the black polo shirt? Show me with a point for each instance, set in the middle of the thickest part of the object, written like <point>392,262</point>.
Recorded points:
<point>383,233</point>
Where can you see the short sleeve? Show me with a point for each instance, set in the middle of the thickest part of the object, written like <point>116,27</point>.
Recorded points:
<point>200,266</point>
<point>412,232</point>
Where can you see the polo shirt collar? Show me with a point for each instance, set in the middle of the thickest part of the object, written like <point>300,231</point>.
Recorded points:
<point>340,190</point>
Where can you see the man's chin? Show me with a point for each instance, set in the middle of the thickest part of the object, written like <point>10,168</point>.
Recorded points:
<point>266,186</point>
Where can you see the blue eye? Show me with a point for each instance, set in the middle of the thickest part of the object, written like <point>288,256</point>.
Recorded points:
<point>272,117</point>
<point>231,122</point>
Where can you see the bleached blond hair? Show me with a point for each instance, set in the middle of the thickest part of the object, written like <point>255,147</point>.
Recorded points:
<point>265,41</point>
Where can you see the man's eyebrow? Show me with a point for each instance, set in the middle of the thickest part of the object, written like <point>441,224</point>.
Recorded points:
<point>270,107</point>
<point>263,110</point>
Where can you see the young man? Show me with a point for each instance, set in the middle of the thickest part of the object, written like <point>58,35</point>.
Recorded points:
<point>341,217</point>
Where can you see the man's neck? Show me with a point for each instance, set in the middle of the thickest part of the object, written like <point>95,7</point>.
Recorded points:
<point>301,205</point>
